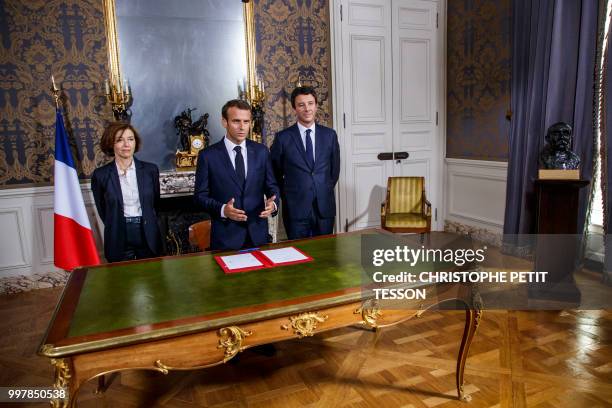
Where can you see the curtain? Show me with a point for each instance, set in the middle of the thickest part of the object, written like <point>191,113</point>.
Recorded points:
<point>606,162</point>
<point>553,63</point>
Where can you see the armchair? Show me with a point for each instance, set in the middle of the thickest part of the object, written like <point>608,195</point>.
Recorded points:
<point>406,208</point>
<point>199,235</point>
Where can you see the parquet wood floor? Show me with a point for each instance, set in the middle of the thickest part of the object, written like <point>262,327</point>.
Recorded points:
<point>518,359</point>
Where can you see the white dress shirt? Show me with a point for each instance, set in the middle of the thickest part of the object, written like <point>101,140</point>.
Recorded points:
<point>129,191</point>
<point>229,146</point>
<point>303,129</point>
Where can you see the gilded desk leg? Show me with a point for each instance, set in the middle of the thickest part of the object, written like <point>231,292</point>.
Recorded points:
<point>63,375</point>
<point>472,320</point>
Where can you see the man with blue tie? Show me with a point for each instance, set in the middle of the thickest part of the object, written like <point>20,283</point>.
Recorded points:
<point>232,177</point>
<point>306,162</point>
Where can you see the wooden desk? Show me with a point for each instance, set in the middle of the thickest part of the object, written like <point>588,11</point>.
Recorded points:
<point>183,313</point>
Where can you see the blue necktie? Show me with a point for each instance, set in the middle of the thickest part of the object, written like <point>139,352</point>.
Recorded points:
<point>309,149</point>
<point>239,162</point>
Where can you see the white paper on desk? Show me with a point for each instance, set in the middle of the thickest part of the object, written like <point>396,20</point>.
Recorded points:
<point>240,261</point>
<point>283,255</point>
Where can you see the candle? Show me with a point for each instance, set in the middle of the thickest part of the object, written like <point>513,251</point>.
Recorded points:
<point>106,87</point>
<point>128,89</point>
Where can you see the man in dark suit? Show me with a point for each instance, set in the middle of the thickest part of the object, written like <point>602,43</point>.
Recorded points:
<point>232,177</point>
<point>306,161</point>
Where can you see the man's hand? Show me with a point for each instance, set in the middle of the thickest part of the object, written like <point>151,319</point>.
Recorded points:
<point>270,207</point>
<point>234,213</point>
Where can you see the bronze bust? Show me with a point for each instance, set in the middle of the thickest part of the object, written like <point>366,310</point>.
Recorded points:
<point>557,153</point>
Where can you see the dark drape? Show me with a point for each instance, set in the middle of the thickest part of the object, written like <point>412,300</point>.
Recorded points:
<point>553,62</point>
<point>606,161</point>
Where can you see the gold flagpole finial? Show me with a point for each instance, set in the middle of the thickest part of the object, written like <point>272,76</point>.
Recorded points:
<point>56,91</point>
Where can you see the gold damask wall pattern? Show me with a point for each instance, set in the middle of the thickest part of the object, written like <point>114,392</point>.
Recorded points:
<point>67,38</point>
<point>38,38</point>
<point>478,78</point>
<point>293,38</point>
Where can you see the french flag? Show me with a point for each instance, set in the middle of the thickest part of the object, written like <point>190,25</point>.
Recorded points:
<point>73,239</point>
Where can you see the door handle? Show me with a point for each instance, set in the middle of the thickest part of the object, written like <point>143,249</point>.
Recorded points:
<point>393,156</point>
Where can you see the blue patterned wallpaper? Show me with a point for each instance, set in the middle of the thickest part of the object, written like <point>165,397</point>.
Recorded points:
<point>67,38</point>
<point>38,38</point>
<point>293,38</point>
<point>478,79</point>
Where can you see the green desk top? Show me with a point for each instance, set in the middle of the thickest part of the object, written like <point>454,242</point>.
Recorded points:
<point>144,293</point>
<point>124,303</point>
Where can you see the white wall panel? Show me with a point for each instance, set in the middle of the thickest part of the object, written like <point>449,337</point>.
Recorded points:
<point>368,81</point>
<point>371,15</point>
<point>370,184</point>
<point>26,222</point>
<point>416,18</point>
<point>476,193</point>
<point>13,253</point>
<point>415,80</point>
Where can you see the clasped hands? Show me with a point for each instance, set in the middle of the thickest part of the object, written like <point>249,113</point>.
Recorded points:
<point>237,214</point>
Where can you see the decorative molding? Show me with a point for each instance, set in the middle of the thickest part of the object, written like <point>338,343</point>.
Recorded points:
<point>9,259</point>
<point>304,324</point>
<point>35,239</point>
<point>230,339</point>
<point>475,193</point>
<point>176,182</point>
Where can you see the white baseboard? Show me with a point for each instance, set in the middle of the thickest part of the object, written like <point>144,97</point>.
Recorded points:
<point>475,193</point>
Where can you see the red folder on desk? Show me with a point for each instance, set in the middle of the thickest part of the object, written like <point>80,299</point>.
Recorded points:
<point>252,260</point>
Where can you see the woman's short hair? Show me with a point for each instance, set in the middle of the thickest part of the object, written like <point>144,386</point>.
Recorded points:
<point>107,143</point>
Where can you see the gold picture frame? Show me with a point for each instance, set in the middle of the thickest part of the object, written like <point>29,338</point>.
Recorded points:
<point>110,22</point>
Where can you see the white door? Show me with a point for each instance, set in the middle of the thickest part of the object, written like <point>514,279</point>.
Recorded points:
<point>385,73</point>
<point>415,85</point>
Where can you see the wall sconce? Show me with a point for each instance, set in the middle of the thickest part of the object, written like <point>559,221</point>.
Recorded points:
<point>120,97</point>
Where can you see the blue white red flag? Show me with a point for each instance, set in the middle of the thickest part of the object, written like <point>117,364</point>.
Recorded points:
<point>73,238</point>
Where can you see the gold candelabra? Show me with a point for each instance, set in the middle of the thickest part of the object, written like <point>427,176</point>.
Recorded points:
<point>255,94</point>
<point>120,96</point>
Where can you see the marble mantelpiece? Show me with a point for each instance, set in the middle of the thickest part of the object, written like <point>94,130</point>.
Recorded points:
<point>176,182</point>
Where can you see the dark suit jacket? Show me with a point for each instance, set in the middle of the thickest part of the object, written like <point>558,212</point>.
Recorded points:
<point>109,202</point>
<point>299,183</point>
<point>216,183</point>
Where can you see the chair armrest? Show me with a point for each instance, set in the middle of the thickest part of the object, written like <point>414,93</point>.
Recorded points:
<point>427,211</point>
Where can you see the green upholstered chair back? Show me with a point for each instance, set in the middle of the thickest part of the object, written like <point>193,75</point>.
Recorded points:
<point>405,194</point>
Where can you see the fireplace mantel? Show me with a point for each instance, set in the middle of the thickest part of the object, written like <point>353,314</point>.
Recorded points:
<point>176,183</point>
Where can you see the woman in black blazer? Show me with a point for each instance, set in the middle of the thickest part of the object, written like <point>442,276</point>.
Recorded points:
<point>126,192</point>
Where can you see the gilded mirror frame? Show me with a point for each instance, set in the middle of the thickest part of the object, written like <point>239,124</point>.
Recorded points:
<point>110,23</point>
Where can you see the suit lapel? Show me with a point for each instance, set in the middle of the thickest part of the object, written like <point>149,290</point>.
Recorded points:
<point>114,178</point>
<point>297,138</point>
<point>227,162</point>
<point>140,178</point>
<point>251,160</point>
<point>319,143</point>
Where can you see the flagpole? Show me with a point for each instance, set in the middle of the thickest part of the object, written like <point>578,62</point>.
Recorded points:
<point>56,92</point>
